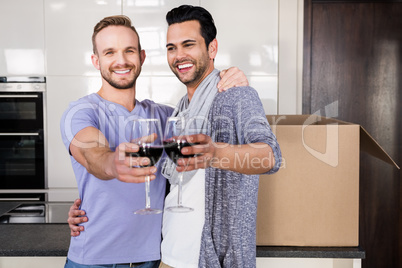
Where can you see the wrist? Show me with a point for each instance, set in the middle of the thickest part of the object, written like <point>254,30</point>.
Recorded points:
<point>220,158</point>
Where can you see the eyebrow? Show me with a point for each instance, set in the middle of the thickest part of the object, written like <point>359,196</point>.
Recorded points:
<point>134,48</point>
<point>111,49</point>
<point>107,49</point>
<point>184,42</point>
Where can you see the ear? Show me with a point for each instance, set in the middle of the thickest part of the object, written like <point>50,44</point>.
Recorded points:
<point>95,61</point>
<point>142,56</point>
<point>213,49</point>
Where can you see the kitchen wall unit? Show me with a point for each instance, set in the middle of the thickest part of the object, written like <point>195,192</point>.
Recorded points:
<point>69,25</point>
<point>252,44</point>
<point>28,262</point>
<point>22,43</point>
<point>261,37</point>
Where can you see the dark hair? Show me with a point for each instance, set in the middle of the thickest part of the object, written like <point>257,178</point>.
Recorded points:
<point>118,20</point>
<point>187,12</point>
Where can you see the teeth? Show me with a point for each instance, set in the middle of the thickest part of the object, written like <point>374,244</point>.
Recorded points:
<point>122,72</point>
<point>184,66</point>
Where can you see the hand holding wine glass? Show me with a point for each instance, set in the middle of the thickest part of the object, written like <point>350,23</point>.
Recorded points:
<point>202,150</point>
<point>175,139</point>
<point>147,134</point>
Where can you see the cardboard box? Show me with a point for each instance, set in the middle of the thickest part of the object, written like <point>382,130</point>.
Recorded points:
<point>313,200</point>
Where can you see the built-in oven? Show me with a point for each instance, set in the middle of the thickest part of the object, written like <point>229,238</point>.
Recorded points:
<point>22,142</point>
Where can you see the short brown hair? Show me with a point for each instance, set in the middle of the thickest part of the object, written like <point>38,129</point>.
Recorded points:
<point>117,20</point>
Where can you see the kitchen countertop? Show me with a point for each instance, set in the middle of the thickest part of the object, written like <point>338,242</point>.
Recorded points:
<point>25,239</point>
<point>53,239</point>
<point>35,239</point>
<point>311,252</point>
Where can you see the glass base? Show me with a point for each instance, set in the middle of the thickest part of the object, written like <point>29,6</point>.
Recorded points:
<point>180,209</point>
<point>148,211</point>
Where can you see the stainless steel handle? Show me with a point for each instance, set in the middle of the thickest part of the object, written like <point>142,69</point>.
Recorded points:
<point>18,96</point>
<point>19,198</point>
<point>19,134</point>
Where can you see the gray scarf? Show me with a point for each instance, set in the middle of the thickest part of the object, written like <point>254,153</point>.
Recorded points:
<point>197,110</point>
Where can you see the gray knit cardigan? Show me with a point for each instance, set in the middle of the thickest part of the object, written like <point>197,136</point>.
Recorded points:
<point>229,233</point>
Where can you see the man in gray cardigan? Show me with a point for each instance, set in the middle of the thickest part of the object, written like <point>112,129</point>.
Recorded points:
<point>235,144</point>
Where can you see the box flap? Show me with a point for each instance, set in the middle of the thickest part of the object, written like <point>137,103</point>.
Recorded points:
<point>370,146</point>
<point>303,119</point>
<point>367,142</point>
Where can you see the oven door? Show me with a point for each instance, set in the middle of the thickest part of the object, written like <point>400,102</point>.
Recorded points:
<point>22,161</point>
<point>21,111</point>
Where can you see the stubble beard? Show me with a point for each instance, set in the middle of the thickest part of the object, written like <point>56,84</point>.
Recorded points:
<point>123,84</point>
<point>200,67</point>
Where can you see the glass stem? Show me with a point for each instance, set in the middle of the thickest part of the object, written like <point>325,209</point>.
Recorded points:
<point>147,199</point>
<point>179,193</point>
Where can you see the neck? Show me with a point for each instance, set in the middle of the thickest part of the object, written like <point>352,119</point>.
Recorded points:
<point>124,97</point>
<point>192,88</point>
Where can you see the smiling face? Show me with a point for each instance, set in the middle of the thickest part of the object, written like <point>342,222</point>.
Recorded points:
<point>187,54</point>
<point>118,56</point>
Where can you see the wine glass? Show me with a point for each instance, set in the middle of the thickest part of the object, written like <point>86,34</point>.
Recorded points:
<point>147,133</point>
<point>175,139</point>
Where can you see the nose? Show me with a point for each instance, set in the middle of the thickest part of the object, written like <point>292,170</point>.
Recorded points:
<point>121,58</point>
<point>180,53</point>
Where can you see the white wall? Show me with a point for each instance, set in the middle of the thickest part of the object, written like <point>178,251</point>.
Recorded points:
<point>52,38</point>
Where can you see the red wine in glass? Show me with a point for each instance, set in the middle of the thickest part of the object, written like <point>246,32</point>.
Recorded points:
<point>173,149</point>
<point>154,153</point>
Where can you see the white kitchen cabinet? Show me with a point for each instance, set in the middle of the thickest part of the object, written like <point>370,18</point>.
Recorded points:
<point>22,45</point>
<point>248,38</point>
<point>267,88</point>
<point>61,91</point>
<point>247,34</point>
<point>290,42</point>
<point>32,262</point>
<point>69,25</point>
